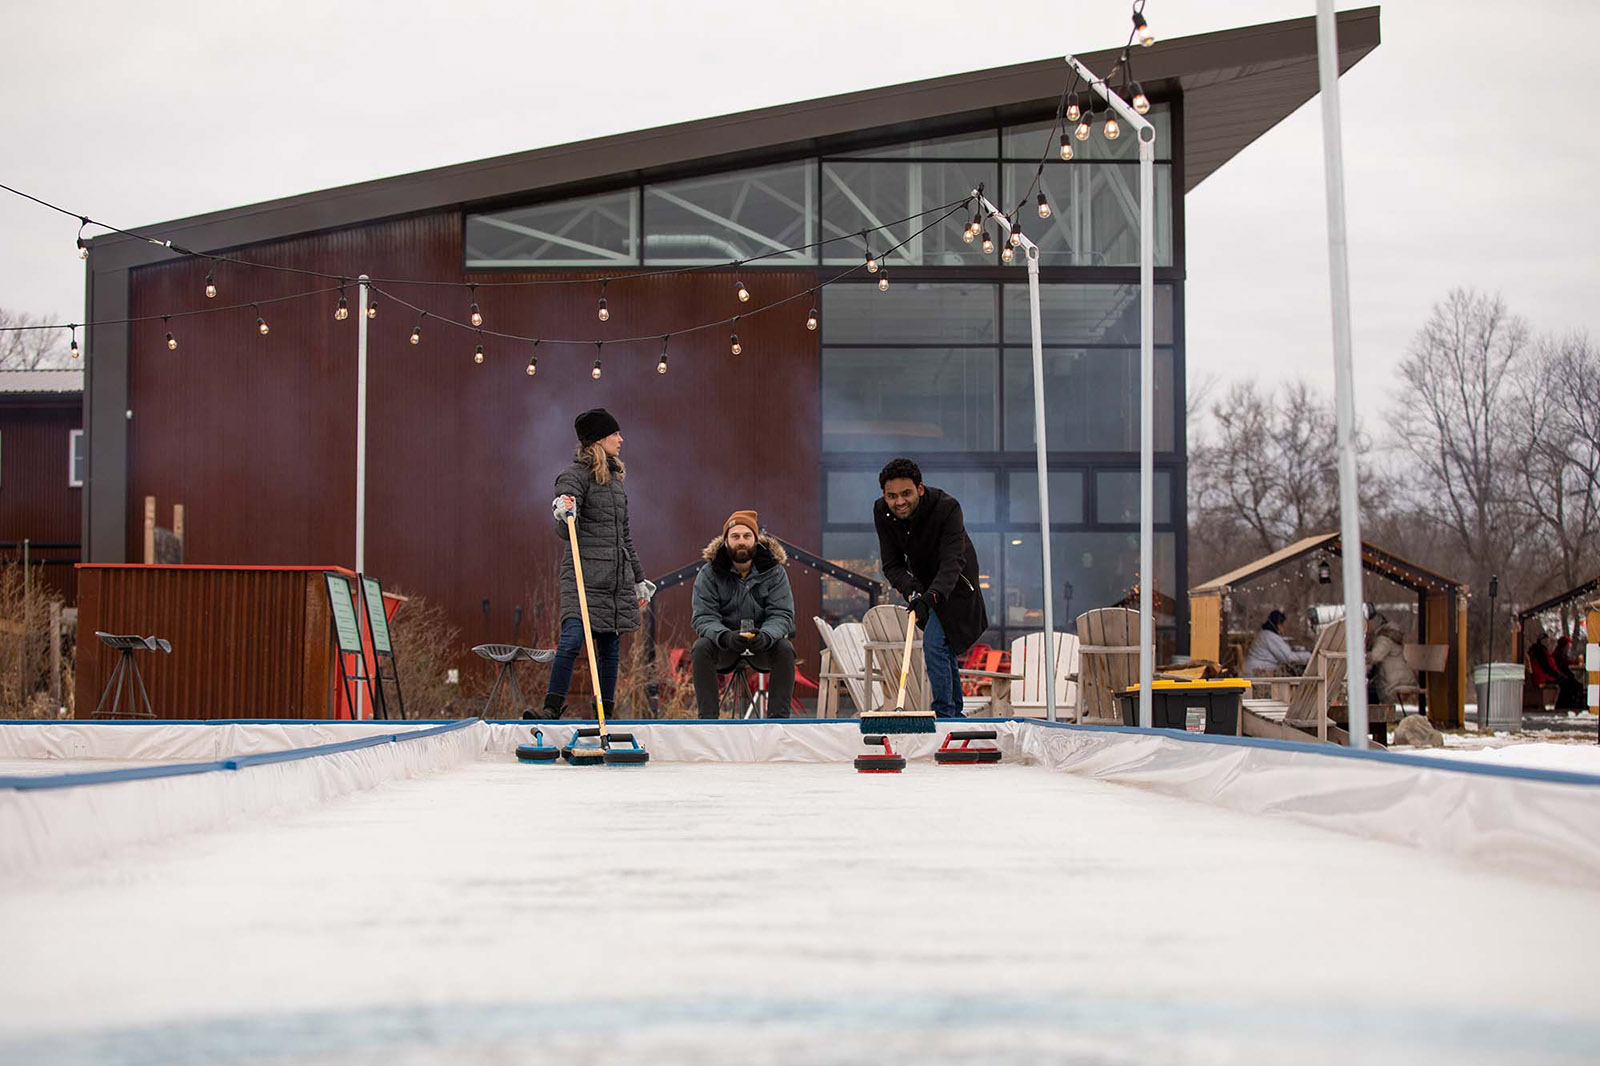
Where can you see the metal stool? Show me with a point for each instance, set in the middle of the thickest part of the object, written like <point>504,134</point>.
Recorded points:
<point>745,701</point>
<point>508,656</point>
<point>125,665</point>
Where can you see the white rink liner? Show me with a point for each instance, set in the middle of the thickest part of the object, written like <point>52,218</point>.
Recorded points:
<point>744,913</point>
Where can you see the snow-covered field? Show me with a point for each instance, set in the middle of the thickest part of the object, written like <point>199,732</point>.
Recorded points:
<point>753,913</point>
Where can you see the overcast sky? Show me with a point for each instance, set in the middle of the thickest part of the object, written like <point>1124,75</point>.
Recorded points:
<point>1470,146</point>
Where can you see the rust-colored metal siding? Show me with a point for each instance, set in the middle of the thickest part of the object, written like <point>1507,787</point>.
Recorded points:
<point>245,643</point>
<point>256,435</point>
<point>37,503</point>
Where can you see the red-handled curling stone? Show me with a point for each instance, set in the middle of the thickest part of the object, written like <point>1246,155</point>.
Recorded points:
<point>884,762</point>
<point>966,754</point>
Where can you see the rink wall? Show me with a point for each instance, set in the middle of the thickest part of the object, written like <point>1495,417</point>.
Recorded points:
<point>1538,823</point>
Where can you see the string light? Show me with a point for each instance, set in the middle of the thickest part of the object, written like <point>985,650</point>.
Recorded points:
<point>1111,129</point>
<point>733,338</point>
<point>474,315</point>
<point>967,234</point>
<point>1141,102</point>
<point>172,342</point>
<point>604,313</point>
<point>416,330</point>
<point>1084,128</point>
<point>1074,112</point>
<point>872,262</point>
<point>988,243</point>
<point>661,367</point>
<point>211,287</point>
<point>1006,254</point>
<point>1015,240</point>
<point>261,323</point>
<point>83,249</point>
<point>73,351</point>
<point>883,280</point>
<point>477,356</point>
<point>533,360</point>
<point>341,312</point>
<point>744,293</point>
<point>372,309</point>
<point>595,373</point>
<point>1066,147</point>
<point>1141,27</point>
<point>1044,206</point>
<point>811,319</point>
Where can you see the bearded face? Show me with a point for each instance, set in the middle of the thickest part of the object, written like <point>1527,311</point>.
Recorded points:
<point>741,542</point>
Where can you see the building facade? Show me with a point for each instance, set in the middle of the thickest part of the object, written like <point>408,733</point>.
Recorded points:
<point>42,460</point>
<point>255,433</point>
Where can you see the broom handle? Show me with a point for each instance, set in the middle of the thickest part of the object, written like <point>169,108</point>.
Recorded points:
<point>905,660</point>
<point>583,608</point>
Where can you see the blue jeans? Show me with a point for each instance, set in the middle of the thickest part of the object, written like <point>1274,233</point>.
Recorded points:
<point>944,683</point>
<point>606,646</point>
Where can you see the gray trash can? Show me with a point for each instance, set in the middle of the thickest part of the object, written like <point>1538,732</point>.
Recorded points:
<point>1504,682</point>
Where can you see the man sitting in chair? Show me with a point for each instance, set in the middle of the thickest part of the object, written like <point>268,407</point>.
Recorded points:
<point>743,612</point>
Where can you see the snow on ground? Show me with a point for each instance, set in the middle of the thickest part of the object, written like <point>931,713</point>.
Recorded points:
<point>754,913</point>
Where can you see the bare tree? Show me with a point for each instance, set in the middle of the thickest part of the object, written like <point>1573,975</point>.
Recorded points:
<point>1558,409</point>
<point>26,348</point>
<point>1456,425</point>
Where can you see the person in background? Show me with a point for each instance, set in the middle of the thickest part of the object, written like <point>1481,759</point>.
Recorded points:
<point>1272,656</point>
<point>1386,661</point>
<point>1569,696</point>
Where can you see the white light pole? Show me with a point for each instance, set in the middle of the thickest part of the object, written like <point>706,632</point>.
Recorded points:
<point>361,429</point>
<point>1343,376</point>
<point>1146,134</point>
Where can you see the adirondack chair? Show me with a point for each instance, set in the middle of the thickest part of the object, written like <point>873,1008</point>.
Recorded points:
<point>1307,708</point>
<point>886,634</point>
<point>844,664</point>
<point>1027,659</point>
<point>1108,661</point>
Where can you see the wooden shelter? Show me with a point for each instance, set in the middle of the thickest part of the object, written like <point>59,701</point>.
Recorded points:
<point>1441,614</point>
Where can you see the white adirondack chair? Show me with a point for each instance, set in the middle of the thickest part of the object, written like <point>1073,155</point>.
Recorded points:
<point>885,627</point>
<point>844,663</point>
<point>1027,659</point>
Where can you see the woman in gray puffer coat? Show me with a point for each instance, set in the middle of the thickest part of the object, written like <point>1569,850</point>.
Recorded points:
<point>613,578</point>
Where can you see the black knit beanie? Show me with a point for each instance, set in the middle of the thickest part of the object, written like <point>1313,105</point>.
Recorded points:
<point>593,425</point>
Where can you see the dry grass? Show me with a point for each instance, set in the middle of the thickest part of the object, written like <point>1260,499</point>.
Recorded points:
<point>25,639</point>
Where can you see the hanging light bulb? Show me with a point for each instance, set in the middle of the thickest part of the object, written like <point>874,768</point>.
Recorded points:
<point>1112,130</point>
<point>1015,240</point>
<point>261,323</point>
<point>1044,206</point>
<point>988,243</point>
<point>1066,147</point>
<point>372,309</point>
<point>533,360</point>
<point>661,365</point>
<point>872,263</point>
<point>1142,28</point>
<point>474,315</point>
<point>811,320</point>
<point>744,293</point>
<point>341,312</point>
<point>73,350</point>
<point>416,330</point>
<point>733,344</point>
<point>595,373</point>
<point>883,281</point>
<point>604,313</point>
<point>1005,254</point>
<point>1074,112</point>
<point>1141,102</point>
<point>83,249</point>
<point>172,342</point>
<point>211,287</point>
<point>477,356</point>
<point>967,234</point>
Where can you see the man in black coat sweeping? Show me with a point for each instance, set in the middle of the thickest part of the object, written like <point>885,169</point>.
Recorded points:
<point>930,560</point>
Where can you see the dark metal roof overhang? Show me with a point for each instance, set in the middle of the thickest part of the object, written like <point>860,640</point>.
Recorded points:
<point>1236,85</point>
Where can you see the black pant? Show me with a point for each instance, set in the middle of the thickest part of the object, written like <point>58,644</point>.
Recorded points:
<point>710,660</point>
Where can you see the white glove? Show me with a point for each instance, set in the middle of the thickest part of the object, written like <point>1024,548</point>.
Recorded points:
<point>645,590</point>
<point>561,507</point>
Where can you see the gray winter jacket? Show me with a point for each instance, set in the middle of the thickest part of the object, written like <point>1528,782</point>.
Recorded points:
<point>611,567</point>
<point>722,599</point>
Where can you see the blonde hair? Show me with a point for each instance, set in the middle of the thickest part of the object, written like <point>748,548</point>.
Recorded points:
<point>601,465</point>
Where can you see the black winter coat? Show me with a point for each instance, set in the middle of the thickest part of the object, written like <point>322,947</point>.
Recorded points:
<point>722,599</point>
<point>931,552</point>
<point>611,567</point>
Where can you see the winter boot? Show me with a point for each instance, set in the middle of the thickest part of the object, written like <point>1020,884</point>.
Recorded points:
<point>553,706</point>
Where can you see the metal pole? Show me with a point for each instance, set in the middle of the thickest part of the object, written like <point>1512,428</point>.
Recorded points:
<point>361,428</point>
<point>1343,374</point>
<point>1146,133</point>
<point>1486,712</point>
<point>1040,459</point>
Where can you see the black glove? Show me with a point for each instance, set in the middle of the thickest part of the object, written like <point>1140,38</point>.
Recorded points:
<point>762,641</point>
<point>920,605</point>
<point>727,640</point>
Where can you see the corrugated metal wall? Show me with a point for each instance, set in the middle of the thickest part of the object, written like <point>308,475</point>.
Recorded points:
<point>256,435</point>
<point>36,501</point>
<point>245,643</point>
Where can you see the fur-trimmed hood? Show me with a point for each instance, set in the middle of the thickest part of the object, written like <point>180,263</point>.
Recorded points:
<point>769,552</point>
